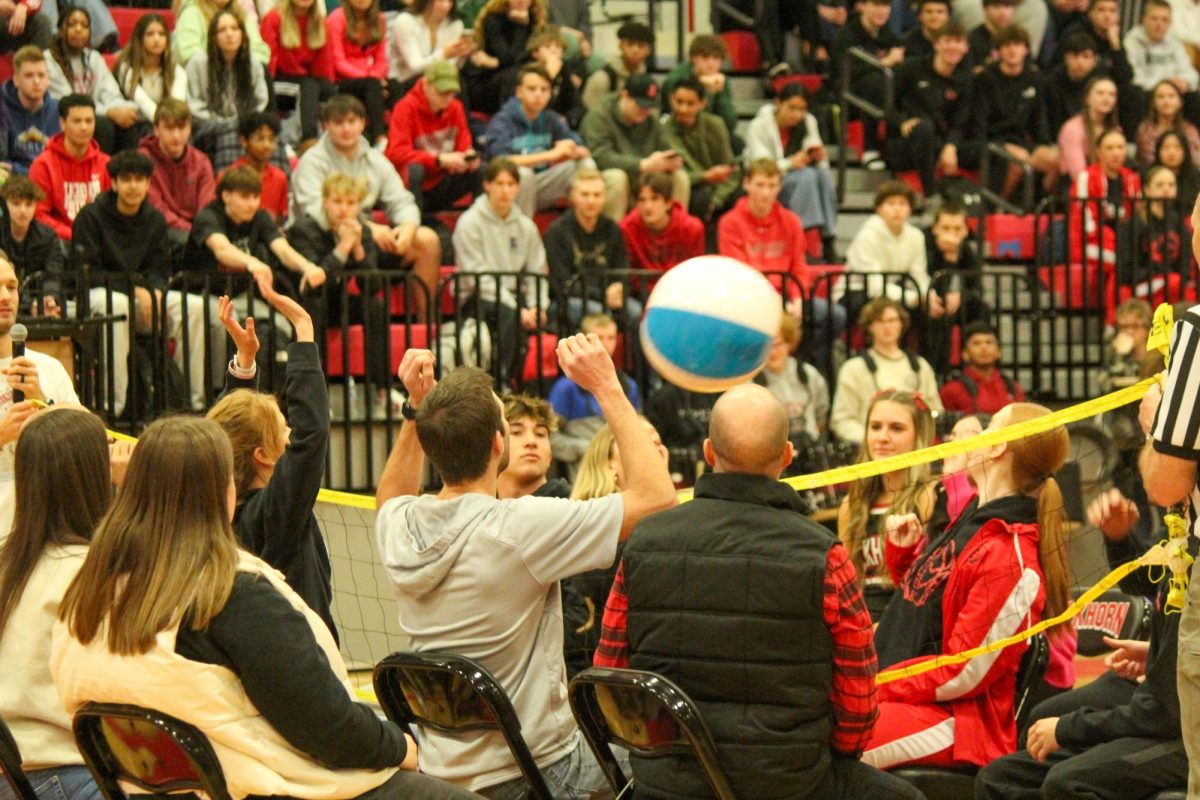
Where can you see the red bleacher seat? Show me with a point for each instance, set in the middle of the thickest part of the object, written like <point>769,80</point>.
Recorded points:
<point>812,82</point>
<point>912,178</point>
<point>402,336</point>
<point>6,66</point>
<point>822,287</point>
<point>1009,236</point>
<point>744,53</point>
<point>549,363</point>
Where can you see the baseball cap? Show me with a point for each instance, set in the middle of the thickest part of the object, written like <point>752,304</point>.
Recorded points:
<point>443,75</point>
<point>636,32</point>
<point>643,90</point>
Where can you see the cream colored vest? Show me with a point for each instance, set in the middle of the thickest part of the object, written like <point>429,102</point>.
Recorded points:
<point>255,757</point>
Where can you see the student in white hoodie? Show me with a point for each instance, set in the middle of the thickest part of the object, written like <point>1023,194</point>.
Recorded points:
<point>63,489</point>
<point>1156,53</point>
<point>493,235</point>
<point>786,132</point>
<point>403,242</point>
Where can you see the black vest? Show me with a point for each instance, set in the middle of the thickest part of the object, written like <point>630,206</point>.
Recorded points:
<point>726,599</point>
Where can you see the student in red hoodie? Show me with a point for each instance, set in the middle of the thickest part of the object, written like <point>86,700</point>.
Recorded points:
<point>295,32</point>
<point>182,183</point>
<point>429,142</point>
<point>760,232</point>
<point>71,170</point>
<point>659,233</point>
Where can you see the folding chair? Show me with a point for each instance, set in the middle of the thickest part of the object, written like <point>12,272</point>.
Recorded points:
<point>1114,614</point>
<point>151,750</point>
<point>647,715</point>
<point>10,762</point>
<point>958,783</point>
<point>453,694</point>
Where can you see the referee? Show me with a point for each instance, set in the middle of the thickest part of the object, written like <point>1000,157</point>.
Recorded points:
<point>1171,420</point>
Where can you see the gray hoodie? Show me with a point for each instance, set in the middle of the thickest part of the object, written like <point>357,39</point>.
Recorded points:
<point>384,187</point>
<point>478,576</point>
<point>486,242</point>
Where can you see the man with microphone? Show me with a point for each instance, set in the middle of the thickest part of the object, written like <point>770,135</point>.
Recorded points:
<point>32,381</point>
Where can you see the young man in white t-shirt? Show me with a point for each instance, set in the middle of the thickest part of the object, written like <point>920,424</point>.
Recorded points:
<point>478,576</point>
<point>42,379</point>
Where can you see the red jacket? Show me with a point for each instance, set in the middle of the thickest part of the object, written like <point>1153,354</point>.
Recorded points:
<point>294,61</point>
<point>683,238</point>
<point>774,243</point>
<point>69,183</point>
<point>179,189</point>
<point>991,394</point>
<point>350,59</point>
<point>417,135</point>
<point>995,590</point>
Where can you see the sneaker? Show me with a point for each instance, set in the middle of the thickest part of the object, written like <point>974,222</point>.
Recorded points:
<point>875,164</point>
<point>782,68</point>
<point>869,156</point>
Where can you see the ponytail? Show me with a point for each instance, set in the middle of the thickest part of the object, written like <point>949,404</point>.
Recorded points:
<point>1052,542</point>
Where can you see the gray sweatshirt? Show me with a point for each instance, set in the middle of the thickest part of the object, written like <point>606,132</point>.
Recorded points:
<point>384,187</point>
<point>486,242</point>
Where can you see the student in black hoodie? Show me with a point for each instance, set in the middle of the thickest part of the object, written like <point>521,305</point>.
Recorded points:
<point>932,109</point>
<point>1009,109</point>
<point>1103,22</point>
<point>931,16</point>
<point>868,30</point>
<point>30,245</point>
<point>1066,81</point>
<point>122,232</point>
<point>278,469</point>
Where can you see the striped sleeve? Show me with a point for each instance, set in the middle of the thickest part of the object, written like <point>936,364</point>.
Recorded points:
<point>853,693</point>
<point>1176,430</point>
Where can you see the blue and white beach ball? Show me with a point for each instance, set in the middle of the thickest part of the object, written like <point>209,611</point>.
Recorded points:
<point>709,323</point>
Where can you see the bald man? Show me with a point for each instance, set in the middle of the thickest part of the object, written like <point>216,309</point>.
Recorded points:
<point>753,610</point>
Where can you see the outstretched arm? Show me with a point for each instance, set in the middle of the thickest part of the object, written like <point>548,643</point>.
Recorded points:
<point>402,473</point>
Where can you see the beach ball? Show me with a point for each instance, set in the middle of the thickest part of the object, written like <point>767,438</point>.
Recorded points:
<point>709,323</point>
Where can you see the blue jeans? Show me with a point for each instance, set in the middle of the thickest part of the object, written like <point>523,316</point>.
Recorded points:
<point>810,194</point>
<point>574,777</point>
<point>58,783</point>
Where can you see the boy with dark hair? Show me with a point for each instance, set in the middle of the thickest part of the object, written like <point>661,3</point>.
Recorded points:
<point>887,243</point>
<point>182,182</point>
<point>1009,109</point>
<point>1156,54</point>
<point>703,142</point>
<point>403,242</point>
<point>997,15</point>
<point>1066,81</point>
<point>30,245</point>
<point>931,16</point>
<point>706,54</point>
<point>980,386</point>
<point>948,249</point>
<point>635,42</point>
<point>429,142</point>
<point>531,423</point>
<point>869,31</point>
<point>538,141</point>
<point>933,105</point>
<point>258,132</point>
<point>30,113</point>
<point>1103,22</point>
<point>659,233</point>
<point>119,232</point>
<point>547,47</point>
<point>71,171</point>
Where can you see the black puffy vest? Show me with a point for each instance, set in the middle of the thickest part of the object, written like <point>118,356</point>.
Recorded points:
<point>726,600</point>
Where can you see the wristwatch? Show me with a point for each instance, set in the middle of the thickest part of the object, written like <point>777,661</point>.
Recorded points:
<point>408,412</point>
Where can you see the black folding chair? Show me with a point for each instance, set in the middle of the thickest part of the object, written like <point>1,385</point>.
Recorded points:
<point>151,750</point>
<point>1114,614</point>
<point>453,694</point>
<point>10,762</point>
<point>958,783</point>
<point>645,714</point>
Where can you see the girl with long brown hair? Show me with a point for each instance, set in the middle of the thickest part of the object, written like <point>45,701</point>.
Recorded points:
<point>897,422</point>
<point>63,489</point>
<point>167,613</point>
<point>295,32</point>
<point>145,70</point>
<point>502,32</point>
<point>999,569</point>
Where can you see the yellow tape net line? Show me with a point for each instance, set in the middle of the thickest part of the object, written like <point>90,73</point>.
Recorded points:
<point>1159,555</point>
<point>854,472</point>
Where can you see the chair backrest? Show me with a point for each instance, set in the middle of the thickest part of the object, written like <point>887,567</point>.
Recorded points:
<point>453,694</point>
<point>1114,614</point>
<point>151,750</point>
<point>1029,675</point>
<point>10,762</point>
<point>647,715</point>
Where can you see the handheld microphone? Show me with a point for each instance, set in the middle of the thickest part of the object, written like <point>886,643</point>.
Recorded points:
<point>18,333</point>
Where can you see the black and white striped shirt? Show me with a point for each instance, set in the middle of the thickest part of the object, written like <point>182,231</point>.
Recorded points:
<point>1176,430</point>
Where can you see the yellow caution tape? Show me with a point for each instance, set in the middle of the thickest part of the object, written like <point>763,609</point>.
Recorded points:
<point>1160,331</point>
<point>1159,555</point>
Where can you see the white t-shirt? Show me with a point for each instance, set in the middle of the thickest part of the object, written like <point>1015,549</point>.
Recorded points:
<point>479,577</point>
<point>57,386</point>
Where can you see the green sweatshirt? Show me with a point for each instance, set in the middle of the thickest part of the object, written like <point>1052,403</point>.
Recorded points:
<point>617,145</point>
<point>720,103</point>
<point>704,145</point>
